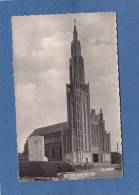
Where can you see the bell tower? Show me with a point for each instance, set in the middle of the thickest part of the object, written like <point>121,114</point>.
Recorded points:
<point>78,103</point>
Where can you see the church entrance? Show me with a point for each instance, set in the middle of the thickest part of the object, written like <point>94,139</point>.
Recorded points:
<point>95,158</point>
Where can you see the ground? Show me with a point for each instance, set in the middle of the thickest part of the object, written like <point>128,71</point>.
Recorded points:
<point>109,174</point>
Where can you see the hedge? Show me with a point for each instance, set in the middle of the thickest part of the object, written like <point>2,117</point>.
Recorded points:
<point>43,169</point>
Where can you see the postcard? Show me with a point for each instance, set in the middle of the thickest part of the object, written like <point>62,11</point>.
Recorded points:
<point>67,96</point>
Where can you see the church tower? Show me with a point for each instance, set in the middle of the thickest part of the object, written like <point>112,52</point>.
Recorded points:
<point>78,105</point>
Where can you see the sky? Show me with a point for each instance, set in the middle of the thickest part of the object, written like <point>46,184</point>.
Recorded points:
<point>41,52</point>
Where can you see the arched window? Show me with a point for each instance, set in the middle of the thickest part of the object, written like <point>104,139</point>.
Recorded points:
<point>53,153</point>
<point>60,152</point>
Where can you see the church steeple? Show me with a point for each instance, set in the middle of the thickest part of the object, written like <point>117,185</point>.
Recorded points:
<point>75,33</point>
<point>78,99</point>
<point>76,60</point>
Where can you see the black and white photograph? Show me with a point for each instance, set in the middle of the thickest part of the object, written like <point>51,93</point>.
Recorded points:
<point>67,96</point>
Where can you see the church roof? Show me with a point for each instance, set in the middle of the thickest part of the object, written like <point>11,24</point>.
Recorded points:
<point>50,129</point>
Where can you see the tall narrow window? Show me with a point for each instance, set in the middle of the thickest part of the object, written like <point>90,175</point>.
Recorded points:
<point>85,136</point>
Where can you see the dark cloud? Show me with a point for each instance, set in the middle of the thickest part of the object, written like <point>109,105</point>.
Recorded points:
<point>41,47</point>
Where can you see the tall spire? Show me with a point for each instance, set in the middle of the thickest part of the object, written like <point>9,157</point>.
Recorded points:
<point>75,34</point>
<point>75,45</point>
<point>76,60</point>
<point>74,22</point>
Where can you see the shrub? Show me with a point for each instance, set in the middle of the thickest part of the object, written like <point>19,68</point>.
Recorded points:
<point>37,169</point>
<point>43,169</point>
<point>64,167</point>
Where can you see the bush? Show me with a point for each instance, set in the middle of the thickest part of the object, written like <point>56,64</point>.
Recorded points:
<point>64,167</point>
<point>37,169</point>
<point>43,169</point>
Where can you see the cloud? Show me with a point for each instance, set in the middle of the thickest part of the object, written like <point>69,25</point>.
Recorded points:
<point>41,46</point>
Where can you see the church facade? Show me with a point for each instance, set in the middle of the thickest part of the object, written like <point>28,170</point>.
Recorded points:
<point>83,139</point>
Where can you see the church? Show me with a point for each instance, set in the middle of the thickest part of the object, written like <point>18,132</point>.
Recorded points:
<point>82,139</point>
